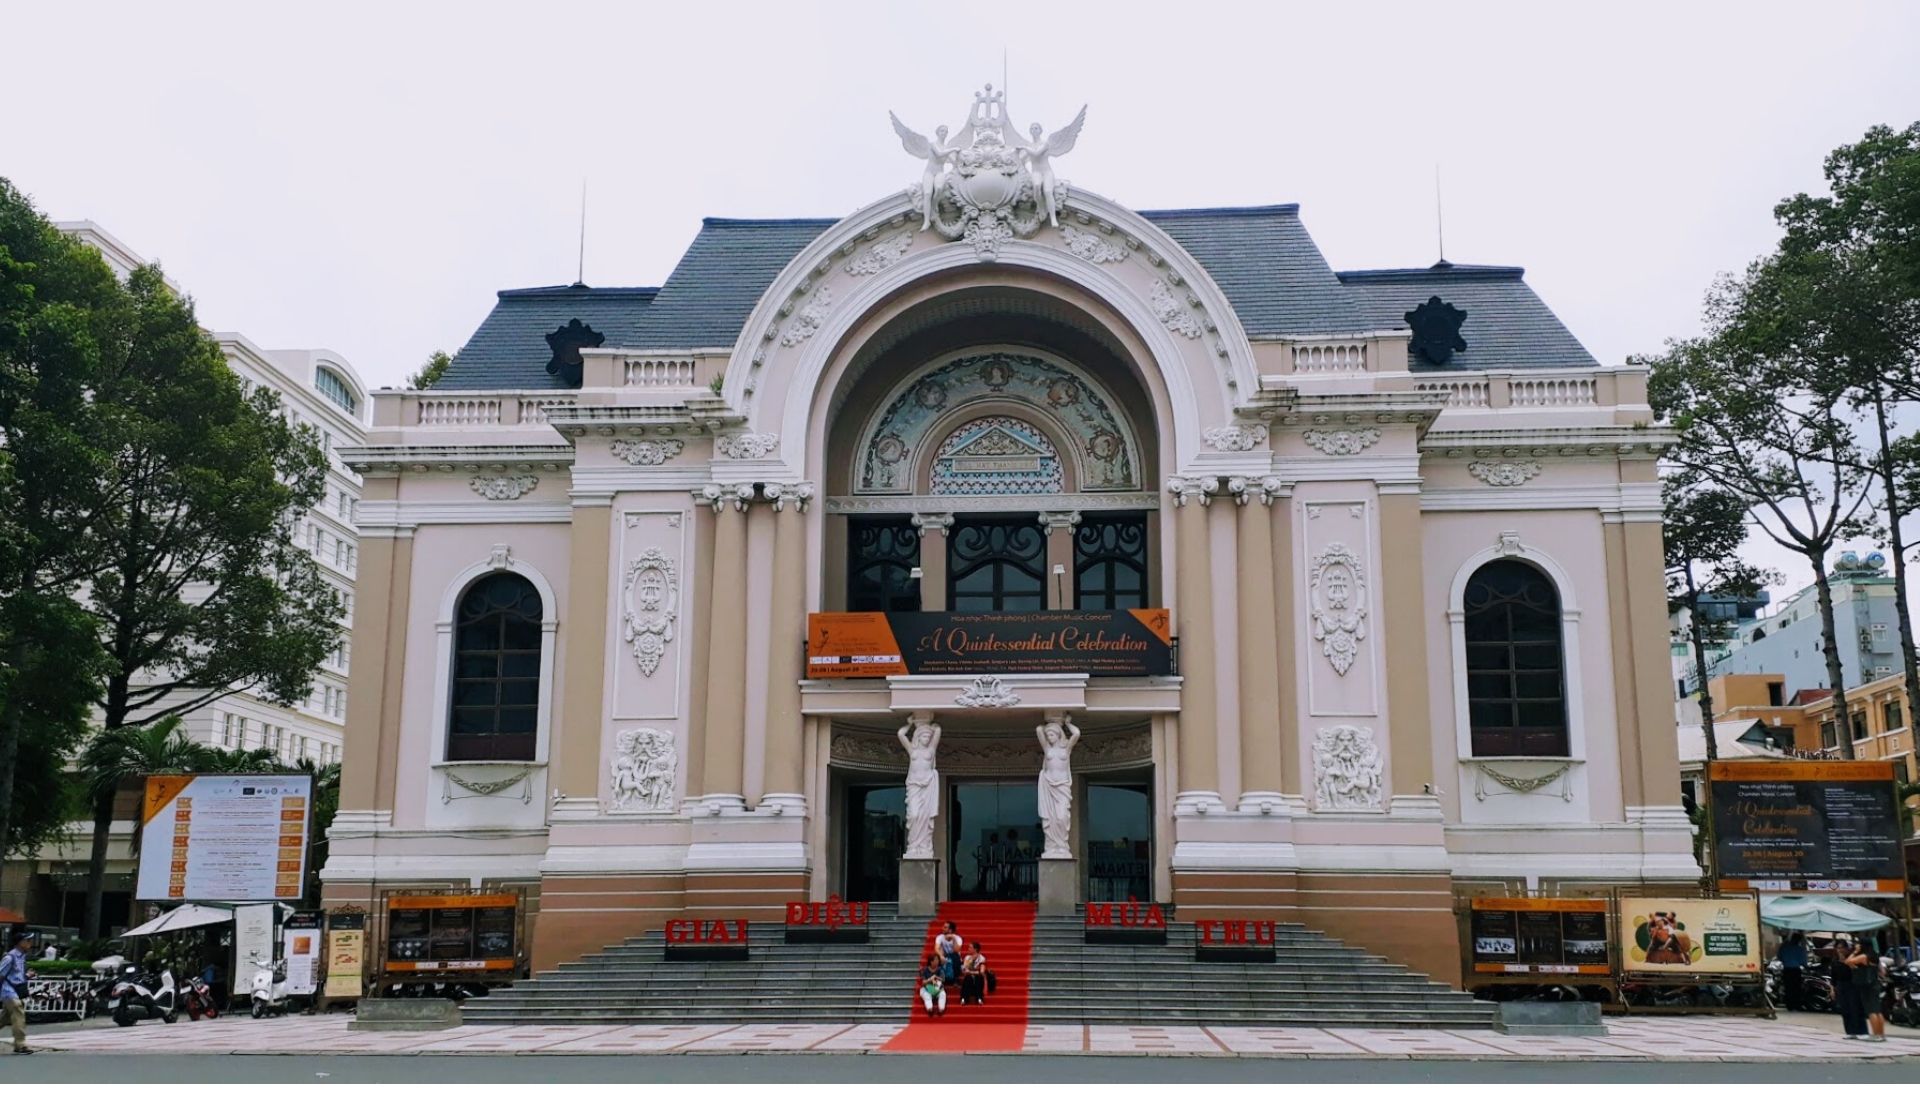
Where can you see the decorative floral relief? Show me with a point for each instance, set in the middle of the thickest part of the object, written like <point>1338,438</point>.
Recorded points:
<point>651,595</point>
<point>809,319</point>
<point>1347,769</point>
<point>1236,437</point>
<point>1172,311</point>
<point>749,445</point>
<point>504,488</point>
<point>1504,474</point>
<point>881,255</point>
<point>646,452</point>
<point>1520,784</point>
<point>988,691</point>
<point>1339,592</point>
<point>996,455</point>
<point>1342,441</point>
<point>1094,247</point>
<point>645,763</point>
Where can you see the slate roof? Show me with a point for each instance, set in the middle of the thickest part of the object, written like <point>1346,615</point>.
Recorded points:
<point>1261,256</point>
<point>1507,326</point>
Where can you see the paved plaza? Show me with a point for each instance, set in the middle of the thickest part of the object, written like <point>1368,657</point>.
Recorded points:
<point>1665,1039</point>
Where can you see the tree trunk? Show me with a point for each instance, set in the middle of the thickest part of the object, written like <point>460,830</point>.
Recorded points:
<point>1842,720</point>
<point>1700,661</point>
<point>1890,486</point>
<point>9,746</point>
<point>97,866</point>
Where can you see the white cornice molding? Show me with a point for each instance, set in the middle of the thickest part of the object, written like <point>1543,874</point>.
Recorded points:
<point>1594,440</point>
<point>451,458</point>
<point>379,515</point>
<point>1037,502</point>
<point>624,478</point>
<point>1635,497</point>
<point>1362,467</point>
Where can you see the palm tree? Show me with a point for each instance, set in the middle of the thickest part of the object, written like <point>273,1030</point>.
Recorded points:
<point>326,802</point>
<point>241,761</point>
<point>113,759</point>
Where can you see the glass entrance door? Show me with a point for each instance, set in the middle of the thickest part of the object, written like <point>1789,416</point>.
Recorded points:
<point>876,824</point>
<point>993,841</point>
<point>1119,823</point>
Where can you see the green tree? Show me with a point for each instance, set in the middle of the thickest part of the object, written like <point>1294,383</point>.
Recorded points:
<point>62,315</point>
<point>430,371</point>
<point>115,761</point>
<point>199,587</point>
<point>1705,527</point>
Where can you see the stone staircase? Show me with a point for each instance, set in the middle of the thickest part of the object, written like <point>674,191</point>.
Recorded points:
<point>1315,980</point>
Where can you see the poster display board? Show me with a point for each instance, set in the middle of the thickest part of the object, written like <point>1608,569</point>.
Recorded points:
<point>858,644</point>
<point>252,943</point>
<point>346,953</point>
<point>1806,826</point>
<point>1539,936</point>
<point>434,933</point>
<point>224,838</point>
<point>1686,937</point>
<point>300,947</point>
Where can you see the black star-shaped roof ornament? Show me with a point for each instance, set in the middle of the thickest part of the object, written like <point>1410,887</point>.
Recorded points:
<point>1436,330</point>
<point>566,342</point>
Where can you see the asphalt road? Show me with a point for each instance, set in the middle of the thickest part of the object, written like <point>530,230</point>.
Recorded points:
<point>69,1068</point>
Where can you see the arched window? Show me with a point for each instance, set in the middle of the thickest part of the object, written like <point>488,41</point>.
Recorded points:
<point>996,564</point>
<point>496,670</point>
<point>1516,666</point>
<point>1110,562</point>
<point>336,388</point>
<point>881,557</point>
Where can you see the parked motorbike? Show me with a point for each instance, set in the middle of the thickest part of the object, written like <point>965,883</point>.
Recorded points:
<point>269,990</point>
<point>198,999</point>
<point>1816,988</point>
<point>138,996</point>
<point>1903,994</point>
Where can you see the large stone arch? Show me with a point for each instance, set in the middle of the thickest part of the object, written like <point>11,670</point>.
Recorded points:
<point>1190,345</point>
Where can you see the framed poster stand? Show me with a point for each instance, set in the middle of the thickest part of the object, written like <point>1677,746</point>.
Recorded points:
<point>1514,945</point>
<point>1677,953</point>
<point>467,937</point>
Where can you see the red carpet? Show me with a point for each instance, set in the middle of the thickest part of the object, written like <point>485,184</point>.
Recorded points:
<point>1005,932</point>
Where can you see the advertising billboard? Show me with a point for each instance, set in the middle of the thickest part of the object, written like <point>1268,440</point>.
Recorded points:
<point>1539,936</point>
<point>224,838</point>
<point>452,932</point>
<point>1690,935</point>
<point>858,644</point>
<point>1806,826</point>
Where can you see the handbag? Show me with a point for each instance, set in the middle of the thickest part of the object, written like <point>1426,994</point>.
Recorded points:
<point>993,981</point>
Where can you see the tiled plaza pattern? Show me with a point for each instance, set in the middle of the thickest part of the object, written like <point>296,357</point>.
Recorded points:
<point>1665,1039</point>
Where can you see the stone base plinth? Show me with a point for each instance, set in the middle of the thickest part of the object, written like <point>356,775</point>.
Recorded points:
<point>405,1014</point>
<point>1059,886</point>
<point>1550,1018</point>
<point>919,887</point>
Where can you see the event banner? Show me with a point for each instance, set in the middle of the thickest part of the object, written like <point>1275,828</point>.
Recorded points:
<point>1806,826</point>
<point>1690,935</point>
<point>451,931</point>
<point>850,644</point>
<point>346,953</point>
<point>300,947</point>
<point>1539,936</point>
<point>224,838</point>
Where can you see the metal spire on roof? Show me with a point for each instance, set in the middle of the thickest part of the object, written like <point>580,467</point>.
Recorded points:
<point>580,274</point>
<point>1439,217</point>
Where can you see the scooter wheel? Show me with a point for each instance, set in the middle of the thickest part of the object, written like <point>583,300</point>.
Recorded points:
<point>258,1012</point>
<point>170,1017</point>
<point>123,1018</point>
<point>193,1013</point>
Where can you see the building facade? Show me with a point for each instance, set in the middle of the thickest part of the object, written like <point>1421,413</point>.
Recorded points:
<point>1400,529</point>
<point>1882,727</point>
<point>318,388</point>
<point>1788,640</point>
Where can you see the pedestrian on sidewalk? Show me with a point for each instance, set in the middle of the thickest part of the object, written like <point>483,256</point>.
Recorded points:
<point>1793,970</point>
<point>1846,998</point>
<point>1864,961</point>
<point>13,989</point>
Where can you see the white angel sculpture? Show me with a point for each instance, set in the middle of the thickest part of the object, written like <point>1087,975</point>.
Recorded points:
<point>935,152</point>
<point>1040,153</point>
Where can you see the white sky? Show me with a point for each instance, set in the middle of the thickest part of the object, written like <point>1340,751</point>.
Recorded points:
<point>363,177</point>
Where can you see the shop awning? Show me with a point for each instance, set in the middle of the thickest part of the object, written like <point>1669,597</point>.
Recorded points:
<point>1820,914</point>
<point>184,917</point>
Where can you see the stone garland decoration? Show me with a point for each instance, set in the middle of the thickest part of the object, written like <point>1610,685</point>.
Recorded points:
<point>747,446</point>
<point>1173,312</point>
<point>1347,769</point>
<point>1520,784</point>
<point>484,788</point>
<point>504,488</point>
<point>808,321</point>
<point>1236,437</point>
<point>645,764</point>
<point>1504,474</point>
<point>988,691</point>
<point>1093,247</point>
<point>1342,441</point>
<point>650,595</point>
<point>881,255</point>
<point>1339,594</point>
<point>647,452</point>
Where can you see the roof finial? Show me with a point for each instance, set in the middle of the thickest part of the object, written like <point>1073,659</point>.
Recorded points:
<point>580,275</point>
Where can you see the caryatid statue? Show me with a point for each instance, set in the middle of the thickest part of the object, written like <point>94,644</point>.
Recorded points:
<point>1057,736</point>
<point>921,738</point>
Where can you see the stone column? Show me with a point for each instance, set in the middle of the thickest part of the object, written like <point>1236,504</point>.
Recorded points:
<point>576,779</point>
<point>370,756</point>
<point>782,774</point>
<point>1262,775</point>
<point>1403,606</point>
<point>933,528</point>
<point>1060,578</point>
<point>1286,664</point>
<point>726,685</point>
<point>1197,756</point>
<point>1659,756</point>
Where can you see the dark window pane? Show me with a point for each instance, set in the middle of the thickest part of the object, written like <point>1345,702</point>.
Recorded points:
<point>1513,622</point>
<point>1110,561</point>
<point>473,719</point>
<point>517,719</point>
<point>496,661</point>
<point>519,692</point>
<point>881,554</point>
<point>473,693</point>
<point>520,664</point>
<point>1483,656</point>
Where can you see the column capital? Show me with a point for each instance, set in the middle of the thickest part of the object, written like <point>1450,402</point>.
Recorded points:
<point>929,522</point>
<point>1247,490</point>
<point>1059,521</point>
<point>1192,490</point>
<point>797,493</point>
<point>719,497</point>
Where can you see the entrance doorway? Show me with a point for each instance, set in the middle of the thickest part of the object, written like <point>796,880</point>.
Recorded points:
<point>1119,828</point>
<point>993,841</point>
<point>876,836</point>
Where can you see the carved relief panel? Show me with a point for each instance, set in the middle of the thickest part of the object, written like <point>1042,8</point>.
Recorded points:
<point>649,625</point>
<point>1341,585</point>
